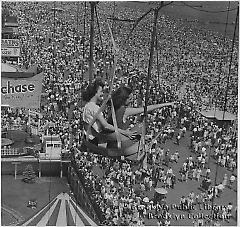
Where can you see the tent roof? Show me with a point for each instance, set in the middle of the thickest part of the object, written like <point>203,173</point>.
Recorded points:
<point>225,116</point>
<point>208,114</point>
<point>61,211</point>
<point>10,68</point>
<point>12,71</point>
<point>219,115</point>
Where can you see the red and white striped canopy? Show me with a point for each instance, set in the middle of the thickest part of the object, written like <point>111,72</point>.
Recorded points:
<point>62,211</point>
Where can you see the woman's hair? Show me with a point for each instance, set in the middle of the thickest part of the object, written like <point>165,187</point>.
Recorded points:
<point>91,90</point>
<point>120,96</point>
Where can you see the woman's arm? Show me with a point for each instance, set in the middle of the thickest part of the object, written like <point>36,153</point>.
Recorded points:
<point>110,127</point>
<point>133,111</point>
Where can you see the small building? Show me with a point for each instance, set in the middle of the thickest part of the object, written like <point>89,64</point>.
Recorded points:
<point>51,147</point>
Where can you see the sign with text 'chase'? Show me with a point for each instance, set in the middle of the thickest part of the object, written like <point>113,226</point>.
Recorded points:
<point>22,92</point>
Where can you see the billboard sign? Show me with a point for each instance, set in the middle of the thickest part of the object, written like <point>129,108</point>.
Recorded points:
<point>10,43</point>
<point>10,52</point>
<point>22,92</point>
<point>10,48</point>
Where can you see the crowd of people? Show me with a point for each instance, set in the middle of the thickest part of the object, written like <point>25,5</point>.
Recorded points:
<point>188,69</point>
<point>120,178</point>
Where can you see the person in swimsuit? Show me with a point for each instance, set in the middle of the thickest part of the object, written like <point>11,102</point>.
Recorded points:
<point>121,98</point>
<point>93,95</point>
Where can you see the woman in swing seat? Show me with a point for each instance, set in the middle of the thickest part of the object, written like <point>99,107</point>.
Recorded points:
<point>93,95</point>
<point>121,98</point>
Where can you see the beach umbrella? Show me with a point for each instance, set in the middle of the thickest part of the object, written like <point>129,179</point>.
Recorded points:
<point>227,138</point>
<point>161,191</point>
<point>146,200</point>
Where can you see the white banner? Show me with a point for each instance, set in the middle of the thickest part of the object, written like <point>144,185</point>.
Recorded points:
<point>22,92</point>
<point>6,43</point>
<point>10,52</point>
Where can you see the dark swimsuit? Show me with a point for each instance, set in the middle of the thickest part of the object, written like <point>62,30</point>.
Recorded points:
<point>119,118</point>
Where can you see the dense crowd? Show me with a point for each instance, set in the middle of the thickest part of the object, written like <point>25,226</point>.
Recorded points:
<point>113,192</point>
<point>188,67</point>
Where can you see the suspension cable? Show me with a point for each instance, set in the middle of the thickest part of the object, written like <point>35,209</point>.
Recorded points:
<point>230,65</point>
<point>77,14</point>
<point>92,34</point>
<point>208,11</point>
<point>113,15</point>
<point>221,62</point>
<point>83,38</point>
<point>157,50</point>
<point>216,172</point>
<point>149,71</point>
<point>99,29</point>
<point>100,36</point>
<point>102,107</point>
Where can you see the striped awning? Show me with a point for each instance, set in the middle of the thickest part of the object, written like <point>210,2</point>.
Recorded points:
<point>62,211</point>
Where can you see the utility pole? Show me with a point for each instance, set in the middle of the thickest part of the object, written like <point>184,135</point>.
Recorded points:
<point>92,5</point>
